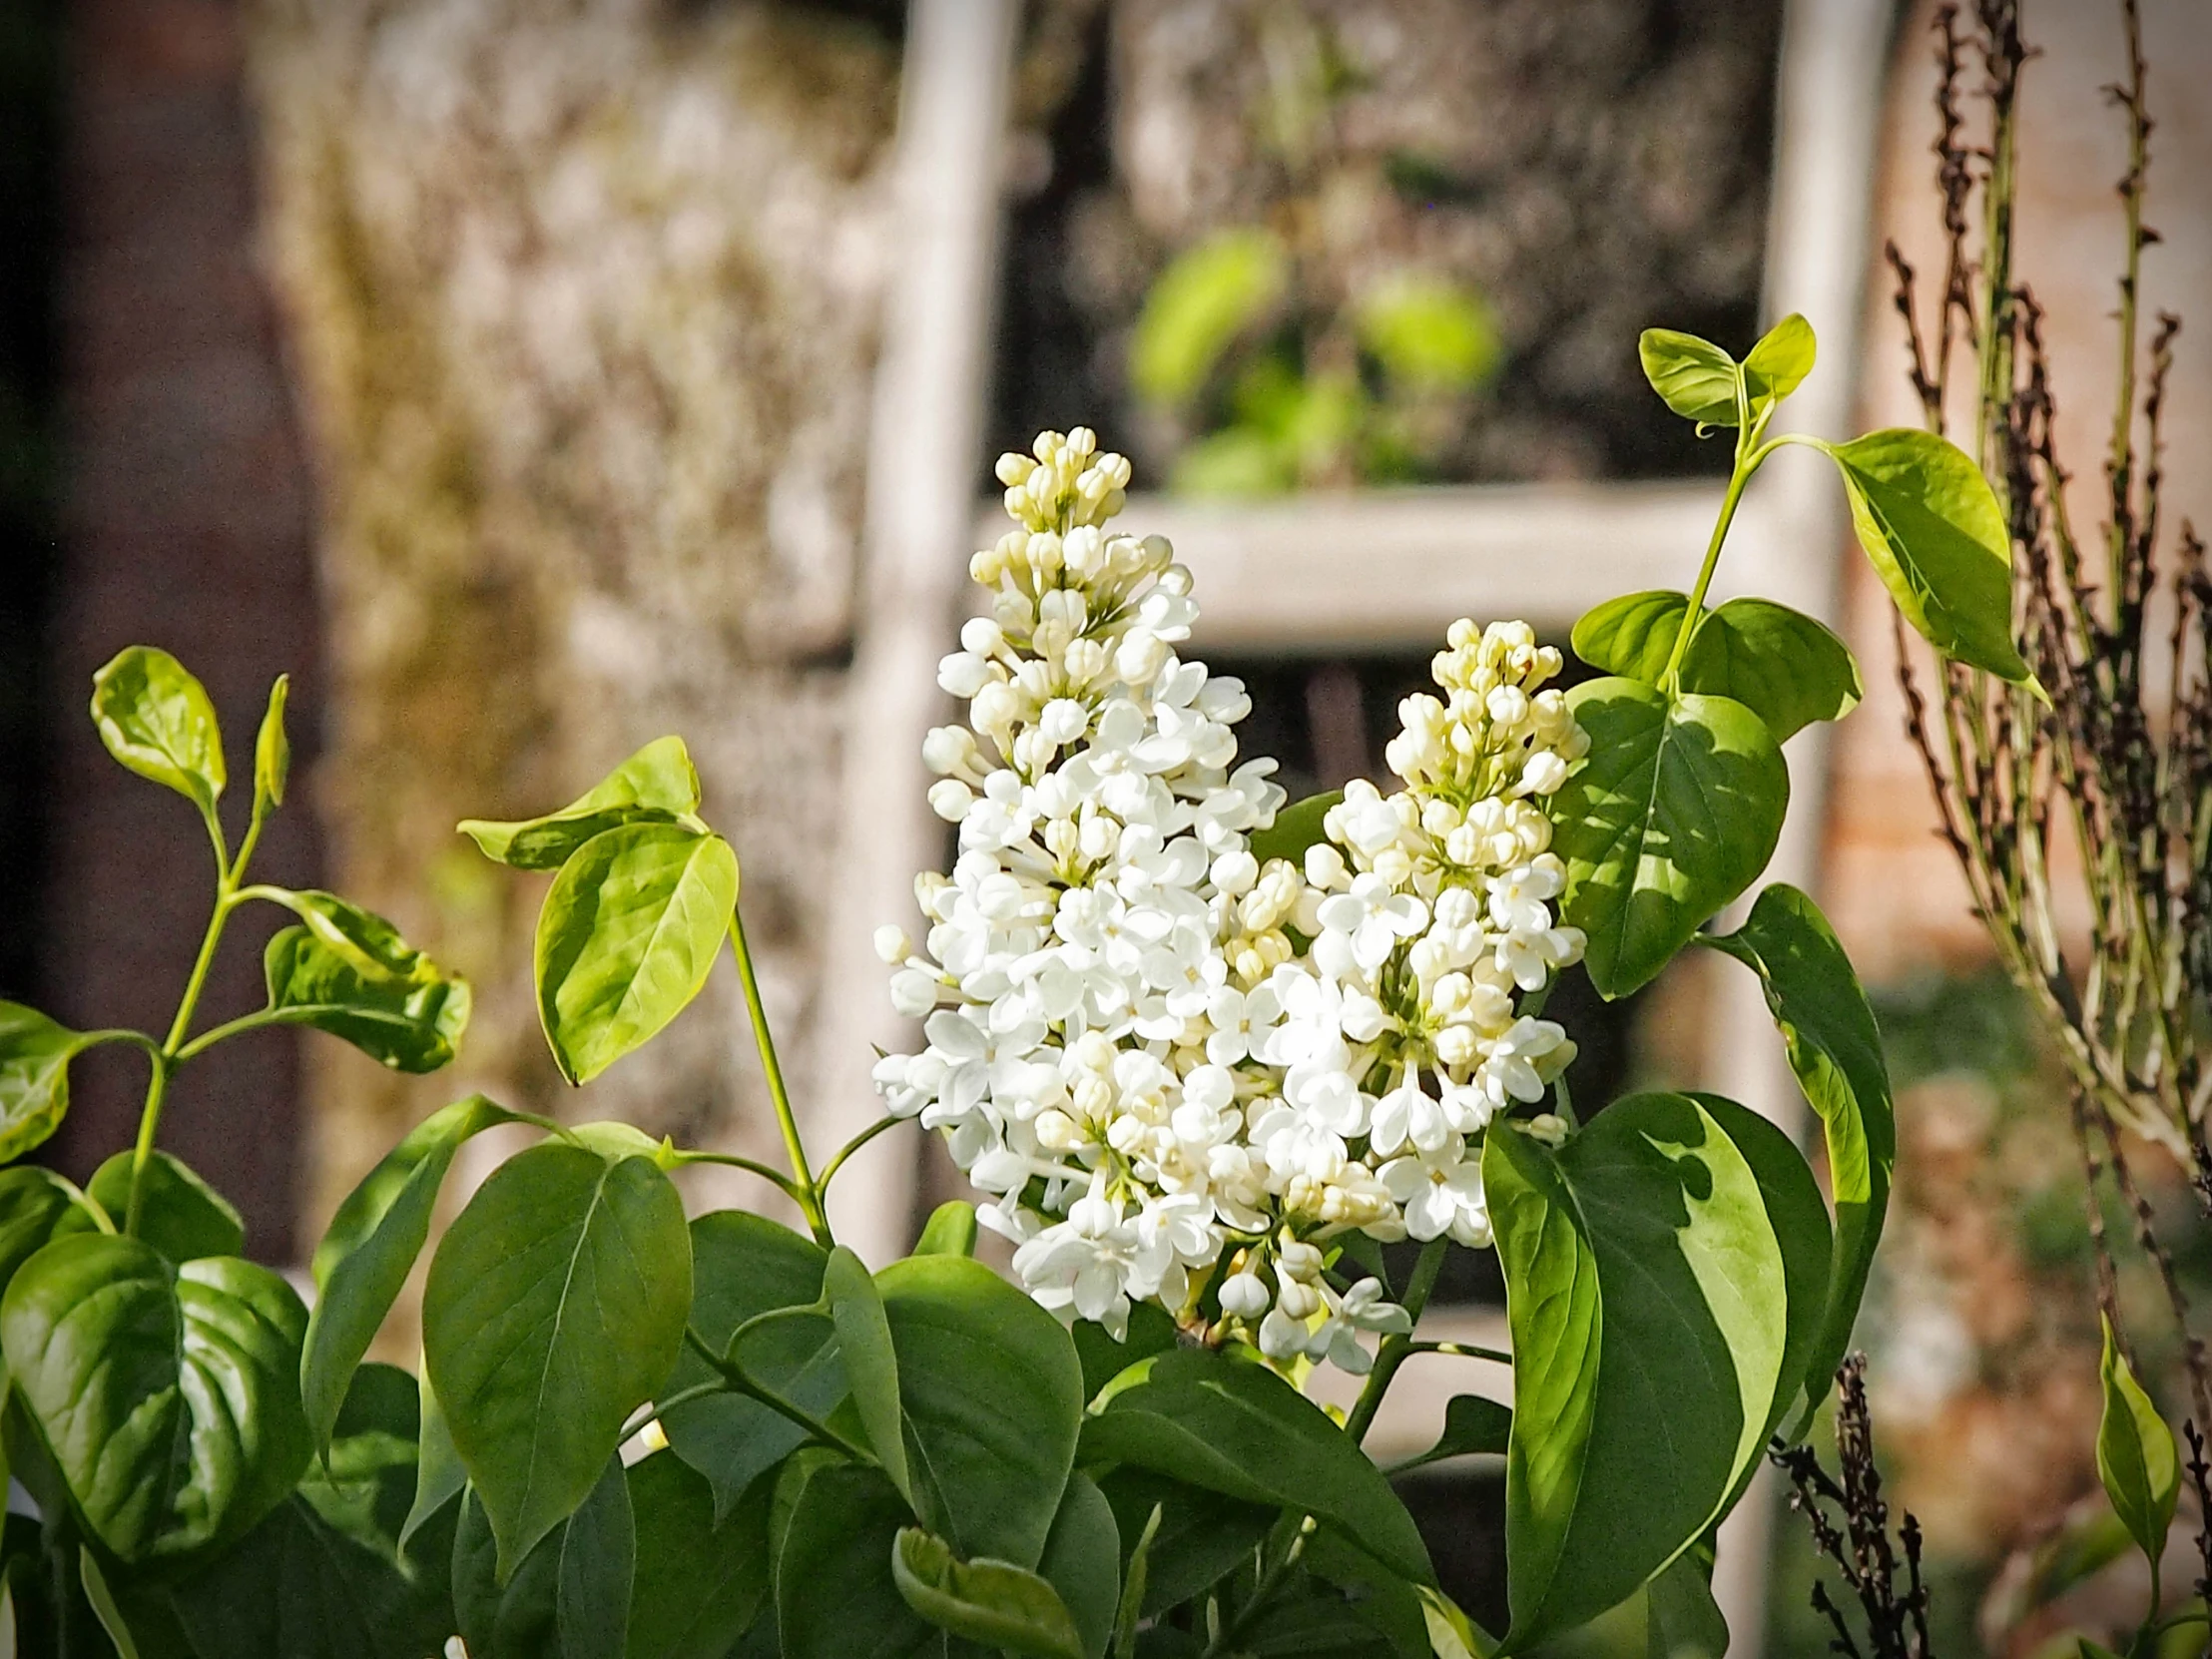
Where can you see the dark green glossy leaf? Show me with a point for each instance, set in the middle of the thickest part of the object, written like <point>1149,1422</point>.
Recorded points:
<point>164,1394</point>
<point>1781,663</point>
<point>372,1247</point>
<point>1082,1561</point>
<point>1682,1620</point>
<point>834,1596</point>
<point>1779,364</point>
<point>1835,1048</point>
<point>555,1308</point>
<point>870,1365</point>
<point>273,750</point>
<point>599,1548</point>
<point>700,1581</point>
<point>1632,636</point>
<point>2136,1459</point>
<point>951,1230</point>
<point>1151,1330</point>
<point>34,1076</point>
<point>1295,828</point>
<point>1205,1418</point>
<point>993,1396</point>
<point>179,1214</point>
<point>626,939</point>
<point>1202,1535</point>
<point>1695,377</point>
<point>1933,527</point>
<point>515,1619</point>
<point>657,785</point>
<point>991,1602</point>
<point>1472,1426</point>
<point>1668,1264</point>
<point>1348,1587</point>
<point>36,1207</point>
<point>1674,812</point>
<point>157,719</point>
<point>410,1021</point>
<point>363,1485</point>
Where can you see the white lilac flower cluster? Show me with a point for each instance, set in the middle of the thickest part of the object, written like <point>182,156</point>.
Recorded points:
<point>1175,1068</point>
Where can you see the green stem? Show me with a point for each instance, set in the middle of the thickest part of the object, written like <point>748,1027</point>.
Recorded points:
<point>171,1055</point>
<point>1690,617</point>
<point>808,1192</point>
<point>783,1183</point>
<point>254,1021</point>
<point>1396,1349</point>
<point>657,1409</point>
<point>830,1170</point>
<point>1461,1351</point>
<point>737,1383</point>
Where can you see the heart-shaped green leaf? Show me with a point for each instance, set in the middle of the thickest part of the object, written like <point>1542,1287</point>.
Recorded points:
<point>993,1394</point>
<point>555,1308</point>
<point>180,1215</point>
<point>1779,364</point>
<point>1674,812</point>
<point>410,1021</point>
<point>993,1602</point>
<point>1208,1420</point>
<point>2136,1459</point>
<point>1932,525</point>
<point>1632,636</point>
<point>157,719</point>
<point>1695,377</point>
<point>370,1248</point>
<point>700,1580</point>
<point>164,1394</point>
<point>1667,1266</point>
<point>1835,1048</point>
<point>657,785</point>
<point>1783,666</point>
<point>1472,1426</point>
<point>273,750</point>
<point>870,1365</point>
<point>626,939</point>
<point>34,1076</point>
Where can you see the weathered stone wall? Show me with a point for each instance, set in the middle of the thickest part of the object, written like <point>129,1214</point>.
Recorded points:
<point>584,297</point>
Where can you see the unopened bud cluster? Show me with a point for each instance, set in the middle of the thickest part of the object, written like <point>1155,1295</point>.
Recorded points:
<point>1175,1068</point>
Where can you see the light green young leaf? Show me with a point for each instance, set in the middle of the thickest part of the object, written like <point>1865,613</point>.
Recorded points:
<point>104,1608</point>
<point>1932,525</point>
<point>1632,636</point>
<point>1208,295</point>
<point>273,749</point>
<point>1082,1561</point>
<point>555,1308</point>
<point>657,785</point>
<point>157,719</point>
<point>1429,333</point>
<point>1695,377</point>
<point>993,1602</point>
<point>1835,1048</point>
<point>180,1215</point>
<point>1779,364</point>
<point>409,1021</point>
<point>598,1565</point>
<point>626,939</point>
<point>870,1365</point>
<point>164,1395</point>
<point>993,1395</point>
<point>372,1247</point>
<point>1667,1265</point>
<point>2136,1458</point>
<point>1472,1426</point>
<point>951,1230</point>
<point>34,1076</point>
<point>1674,812</point>
<point>1208,1420</point>
<point>1783,666</point>
<point>700,1580</point>
<point>363,941</point>
<point>1295,828</point>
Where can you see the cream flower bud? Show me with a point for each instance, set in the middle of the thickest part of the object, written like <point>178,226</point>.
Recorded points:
<point>891,944</point>
<point>1243,1296</point>
<point>1298,1300</point>
<point>950,800</point>
<point>1298,1260</point>
<point>964,673</point>
<point>1236,874</point>
<point>1064,721</point>
<point>1140,657</point>
<point>1547,1127</point>
<point>948,750</point>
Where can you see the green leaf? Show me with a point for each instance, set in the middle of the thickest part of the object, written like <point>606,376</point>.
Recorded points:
<point>372,1247</point>
<point>1295,828</point>
<point>993,1396</point>
<point>870,1365</point>
<point>1682,1620</point>
<point>834,1595</point>
<point>36,1207</point>
<point>363,1486</point>
<point>157,719</point>
<point>951,1230</point>
<point>1429,333</point>
<point>1781,663</point>
<point>1835,1048</point>
<point>1666,1267</point>
<point>1779,364</point>
<point>1933,527</point>
<point>515,1619</point>
<point>626,938</point>
<point>1201,1537</point>
<point>104,1607</point>
<point>993,1602</point>
<point>1082,1559</point>
<point>273,750</point>
<point>1632,636</point>
<point>361,939</point>
<point>1235,1428</point>
<point>1695,377</point>
<point>1472,1426</point>
<point>1675,812</point>
<point>1151,1330</point>
<point>597,1564</point>
<point>657,785</point>
<point>700,1580</point>
<point>555,1308</point>
<point>164,1394</point>
<point>410,1021</point>
<point>1129,1608</point>
<point>744,1266</point>
<point>180,1215</point>
<point>34,1076</point>
<point>439,1475</point>
<point>2136,1459</point>
<point>1209,295</point>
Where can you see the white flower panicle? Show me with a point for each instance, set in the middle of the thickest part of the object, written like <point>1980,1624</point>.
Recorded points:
<point>1179,1072</point>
